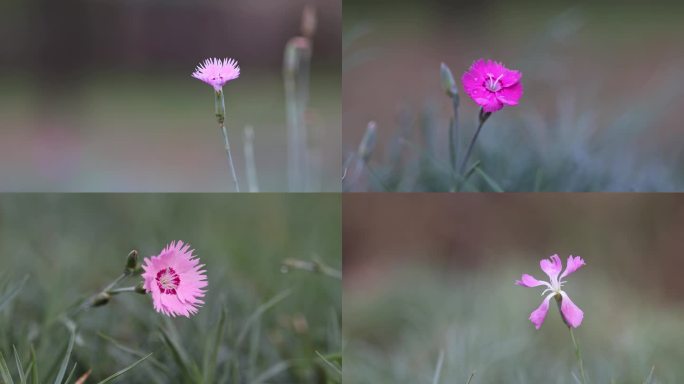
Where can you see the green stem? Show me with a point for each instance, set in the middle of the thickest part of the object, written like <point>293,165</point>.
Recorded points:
<point>120,290</point>
<point>220,108</point>
<point>483,117</point>
<point>578,354</point>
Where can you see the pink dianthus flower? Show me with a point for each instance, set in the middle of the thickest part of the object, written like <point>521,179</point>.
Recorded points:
<point>175,279</point>
<point>217,72</point>
<point>572,315</point>
<point>491,85</point>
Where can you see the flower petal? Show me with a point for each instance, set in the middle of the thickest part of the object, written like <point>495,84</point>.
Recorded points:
<point>551,266</point>
<point>529,282</point>
<point>572,315</point>
<point>510,95</point>
<point>573,264</point>
<point>538,315</point>
<point>510,77</point>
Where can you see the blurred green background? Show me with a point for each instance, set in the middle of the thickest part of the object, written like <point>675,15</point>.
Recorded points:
<point>426,273</point>
<point>603,89</point>
<point>97,95</point>
<point>72,246</point>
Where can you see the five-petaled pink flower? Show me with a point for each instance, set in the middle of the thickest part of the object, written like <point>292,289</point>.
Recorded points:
<point>491,85</point>
<point>552,266</point>
<point>175,279</point>
<point>217,72</point>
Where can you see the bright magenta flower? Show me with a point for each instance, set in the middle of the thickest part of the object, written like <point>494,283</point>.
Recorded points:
<point>217,72</point>
<point>491,85</point>
<point>552,266</point>
<point>175,279</point>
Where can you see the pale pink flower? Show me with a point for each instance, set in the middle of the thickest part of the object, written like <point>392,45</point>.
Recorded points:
<point>552,266</point>
<point>175,279</point>
<point>491,85</point>
<point>217,72</point>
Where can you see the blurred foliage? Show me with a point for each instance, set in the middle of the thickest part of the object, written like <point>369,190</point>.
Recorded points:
<point>259,324</point>
<point>394,331</point>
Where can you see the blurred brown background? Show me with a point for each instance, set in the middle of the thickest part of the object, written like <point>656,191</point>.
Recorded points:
<point>634,238</point>
<point>97,94</point>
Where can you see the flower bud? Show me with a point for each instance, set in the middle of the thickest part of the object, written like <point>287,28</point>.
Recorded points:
<point>140,288</point>
<point>448,82</point>
<point>101,299</point>
<point>131,262</point>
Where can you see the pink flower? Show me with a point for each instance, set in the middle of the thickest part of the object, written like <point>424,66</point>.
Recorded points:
<point>552,266</point>
<point>491,85</point>
<point>175,279</point>
<point>216,72</point>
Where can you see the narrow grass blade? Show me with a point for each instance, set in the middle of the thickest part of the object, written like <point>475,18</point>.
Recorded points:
<point>7,297</point>
<point>65,362</point>
<point>211,354</point>
<point>189,368</point>
<point>257,314</point>
<point>20,365</point>
<point>471,377</point>
<point>4,371</point>
<point>271,372</point>
<point>649,378</point>
<point>438,368</point>
<point>492,184</point>
<point>132,351</point>
<point>329,363</point>
<point>34,367</point>
<point>121,372</point>
<point>71,374</point>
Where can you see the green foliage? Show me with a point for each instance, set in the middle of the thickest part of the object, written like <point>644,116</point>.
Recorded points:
<point>259,324</point>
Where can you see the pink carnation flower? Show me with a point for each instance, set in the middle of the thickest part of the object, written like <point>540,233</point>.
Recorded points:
<point>571,313</point>
<point>217,72</point>
<point>175,279</point>
<point>491,85</point>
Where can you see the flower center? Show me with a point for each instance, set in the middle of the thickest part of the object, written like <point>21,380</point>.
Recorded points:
<point>167,280</point>
<point>493,84</point>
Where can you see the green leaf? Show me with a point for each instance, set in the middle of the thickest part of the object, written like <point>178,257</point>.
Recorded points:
<point>189,369</point>
<point>34,367</point>
<point>65,362</point>
<point>438,368</point>
<point>492,184</point>
<point>211,353</point>
<point>271,372</point>
<point>8,296</point>
<point>121,372</point>
<point>71,374</point>
<point>20,365</point>
<point>257,314</point>
<point>4,371</point>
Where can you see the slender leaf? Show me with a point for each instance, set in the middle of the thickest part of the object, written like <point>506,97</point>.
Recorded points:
<point>4,371</point>
<point>121,372</point>
<point>59,379</point>
<point>20,365</point>
<point>257,314</point>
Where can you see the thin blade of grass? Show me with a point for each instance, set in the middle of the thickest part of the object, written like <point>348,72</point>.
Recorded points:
<point>189,368</point>
<point>257,314</point>
<point>132,351</point>
<point>4,371</point>
<point>472,374</point>
<point>71,374</point>
<point>123,371</point>
<point>34,367</point>
<point>211,354</point>
<point>27,372</point>
<point>492,184</point>
<point>271,372</point>
<point>59,379</point>
<point>329,363</point>
<point>20,365</point>
<point>438,368</point>
<point>8,296</point>
<point>649,378</point>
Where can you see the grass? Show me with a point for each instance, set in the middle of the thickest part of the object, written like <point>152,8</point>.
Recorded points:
<point>260,323</point>
<point>471,326</point>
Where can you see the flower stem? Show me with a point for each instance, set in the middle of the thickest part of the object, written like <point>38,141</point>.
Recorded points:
<point>120,290</point>
<point>220,108</point>
<point>578,355</point>
<point>483,117</point>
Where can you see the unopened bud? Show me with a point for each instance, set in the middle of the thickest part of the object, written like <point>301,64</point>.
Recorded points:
<point>140,288</point>
<point>131,262</point>
<point>368,142</point>
<point>309,21</point>
<point>101,299</point>
<point>448,82</point>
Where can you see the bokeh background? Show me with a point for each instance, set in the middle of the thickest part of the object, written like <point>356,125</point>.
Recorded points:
<point>72,246</point>
<point>97,95</point>
<point>603,91</point>
<point>426,273</point>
